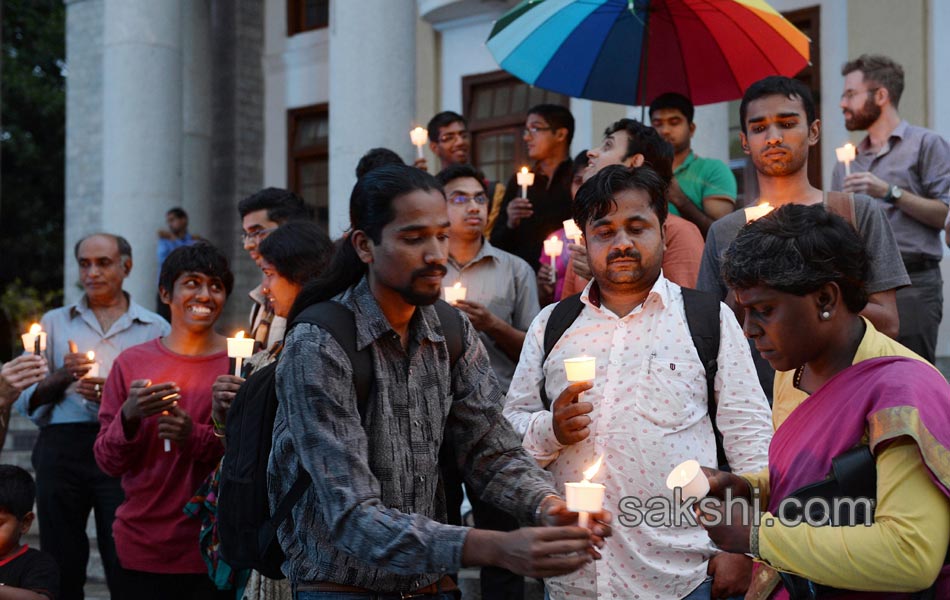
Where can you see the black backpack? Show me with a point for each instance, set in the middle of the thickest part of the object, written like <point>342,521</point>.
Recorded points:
<point>246,528</point>
<point>702,319</point>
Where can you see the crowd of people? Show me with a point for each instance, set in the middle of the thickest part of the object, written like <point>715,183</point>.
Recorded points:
<point>393,406</point>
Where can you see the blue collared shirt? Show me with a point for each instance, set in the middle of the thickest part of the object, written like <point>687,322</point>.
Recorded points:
<point>78,323</point>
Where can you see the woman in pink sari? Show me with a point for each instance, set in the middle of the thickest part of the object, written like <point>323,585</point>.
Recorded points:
<point>798,276</point>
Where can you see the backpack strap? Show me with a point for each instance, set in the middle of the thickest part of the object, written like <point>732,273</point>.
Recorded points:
<point>702,319</point>
<point>451,320</point>
<point>842,204</point>
<point>564,314</point>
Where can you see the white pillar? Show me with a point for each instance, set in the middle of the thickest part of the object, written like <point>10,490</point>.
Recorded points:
<point>142,128</point>
<point>196,115</point>
<point>372,95</point>
<point>84,29</point>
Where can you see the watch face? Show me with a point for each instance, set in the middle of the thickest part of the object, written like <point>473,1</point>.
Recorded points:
<point>896,192</point>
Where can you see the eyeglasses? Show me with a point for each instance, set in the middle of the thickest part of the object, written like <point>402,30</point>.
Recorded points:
<point>450,137</point>
<point>535,130</point>
<point>851,94</point>
<point>257,236</point>
<point>461,199</point>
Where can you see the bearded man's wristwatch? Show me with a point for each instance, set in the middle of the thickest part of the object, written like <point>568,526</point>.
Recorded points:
<point>894,194</point>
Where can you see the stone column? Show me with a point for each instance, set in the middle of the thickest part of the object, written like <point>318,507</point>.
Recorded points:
<point>372,91</point>
<point>142,128</point>
<point>84,26</point>
<point>196,115</point>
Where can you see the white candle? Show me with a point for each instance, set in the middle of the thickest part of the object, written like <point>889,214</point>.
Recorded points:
<point>240,347</point>
<point>419,136</point>
<point>846,154</point>
<point>94,369</point>
<point>572,231</point>
<point>454,293</point>
<point>757,212</point>
<point>585,497</point>
<point>690,477</point>
<point>34,340</point>
<point>553,248</point>
<point>580,368</point>
<point>525,178</point>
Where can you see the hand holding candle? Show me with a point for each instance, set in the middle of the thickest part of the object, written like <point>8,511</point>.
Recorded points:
<point>419,136</point>
<point>846,154</point>
<point>553,248</point>
<point>94,368</point>
<point>525,178</point>
<point>690,477</point>
<point>34,340</point>
<point>240,347</point>
<point>454,293</point>
<point>586,497</point>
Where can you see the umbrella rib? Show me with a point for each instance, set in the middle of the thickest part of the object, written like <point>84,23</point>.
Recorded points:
<point>590,72</point>
<point>755,43</point>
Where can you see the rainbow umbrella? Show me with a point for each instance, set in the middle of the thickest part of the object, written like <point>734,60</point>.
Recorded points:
<point>630,51</point>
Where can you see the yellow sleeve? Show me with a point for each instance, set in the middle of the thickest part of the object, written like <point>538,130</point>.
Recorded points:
<point>759,481</point>
<point>902,551</point>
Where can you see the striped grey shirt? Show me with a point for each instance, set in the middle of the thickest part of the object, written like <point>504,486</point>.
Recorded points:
<point>375,515</point>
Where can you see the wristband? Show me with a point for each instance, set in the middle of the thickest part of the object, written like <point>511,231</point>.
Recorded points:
<point>754,541</point>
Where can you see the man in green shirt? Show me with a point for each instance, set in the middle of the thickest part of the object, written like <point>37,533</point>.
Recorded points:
<point>703,189</point>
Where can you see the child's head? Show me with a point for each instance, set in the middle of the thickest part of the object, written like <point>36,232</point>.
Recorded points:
<point>195,282</point>
<point>17,492</point>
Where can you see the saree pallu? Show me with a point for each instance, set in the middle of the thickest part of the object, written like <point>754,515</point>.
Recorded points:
<point>883,399</point>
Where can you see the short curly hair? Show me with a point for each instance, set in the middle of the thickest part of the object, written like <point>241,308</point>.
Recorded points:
<point>797,249</point>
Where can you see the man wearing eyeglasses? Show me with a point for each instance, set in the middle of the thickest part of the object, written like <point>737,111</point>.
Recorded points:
<point>450,140</point>
<point>501,300</point>
<point>524,223</point>
<point>261,213</point>
<point>905,168</point>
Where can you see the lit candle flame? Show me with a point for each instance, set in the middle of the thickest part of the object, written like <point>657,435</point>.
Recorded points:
<point>457,285</point>
<point>239,334</point>
<point>91,355</point>
<point>35,328</point>
<point>524,170</point>
<point>589,473</point>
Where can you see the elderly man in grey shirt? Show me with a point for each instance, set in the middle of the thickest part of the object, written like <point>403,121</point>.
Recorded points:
<point>372,522</point>
<point>907,169</point>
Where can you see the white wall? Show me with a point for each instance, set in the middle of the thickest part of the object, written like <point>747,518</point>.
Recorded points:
<point>296,74</point>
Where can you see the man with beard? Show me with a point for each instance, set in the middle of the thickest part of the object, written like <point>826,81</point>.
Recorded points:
<point>703,189</point>
<point>373,520</point>
<point>778,127</point>
<point>647,409</point>
<point>906,169</point>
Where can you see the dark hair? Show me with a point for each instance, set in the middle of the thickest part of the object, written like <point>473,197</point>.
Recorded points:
<point>281,205</point>
<point>882,70</point>
<point>177,212</point>
<point>443,119</point>
<point>299,251</point>
<point>797,249</point>
<point>375,158</point>
<point>674,101</point>
<point>17,491</point>
<point>201,257</point>
<point>371,209</point>
<point>454,172</point>
<point>596,198</point>
<point>125,249</point>
<point>580,162</point>
<point>557,116</point>
<point>776,85</point>
<point>657,152</point>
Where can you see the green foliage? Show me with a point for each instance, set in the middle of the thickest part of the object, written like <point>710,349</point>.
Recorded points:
<point>32,142</point>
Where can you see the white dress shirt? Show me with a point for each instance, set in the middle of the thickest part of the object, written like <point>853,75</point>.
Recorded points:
<point>650,414</point>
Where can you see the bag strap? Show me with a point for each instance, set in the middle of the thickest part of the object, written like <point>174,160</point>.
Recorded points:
<point>451,320</point>
<point>702,319</point>
<point>842,204</point>
<point>564,314</point>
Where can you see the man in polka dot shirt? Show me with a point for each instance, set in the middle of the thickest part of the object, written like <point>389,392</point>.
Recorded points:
<point>646,410</point>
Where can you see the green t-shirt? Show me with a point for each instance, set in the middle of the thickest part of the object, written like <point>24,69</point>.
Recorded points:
<point>702,177</point>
